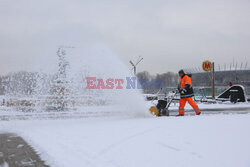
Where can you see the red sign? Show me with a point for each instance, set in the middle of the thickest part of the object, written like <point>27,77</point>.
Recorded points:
<point>207,65</point>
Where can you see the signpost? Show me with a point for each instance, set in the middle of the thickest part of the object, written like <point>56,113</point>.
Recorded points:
<point>208,66</point>
<point>213,84</point>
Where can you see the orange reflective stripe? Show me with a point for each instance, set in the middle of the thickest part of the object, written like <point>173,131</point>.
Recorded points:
<point>181,108</point>
<point>196,108</point>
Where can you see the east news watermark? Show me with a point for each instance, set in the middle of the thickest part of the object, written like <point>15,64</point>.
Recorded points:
<point>120,83</point>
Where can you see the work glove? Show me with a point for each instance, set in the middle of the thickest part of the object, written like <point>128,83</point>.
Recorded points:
<point>182,91</point>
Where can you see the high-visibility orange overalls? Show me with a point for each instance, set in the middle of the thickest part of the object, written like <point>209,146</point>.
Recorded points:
<point>186,91</point>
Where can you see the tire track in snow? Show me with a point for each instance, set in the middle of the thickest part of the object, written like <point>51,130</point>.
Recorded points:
<point>169,147</point>
<point>124,140</point>
<point>179,150</point>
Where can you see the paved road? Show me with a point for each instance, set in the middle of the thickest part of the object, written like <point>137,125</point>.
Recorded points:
<point>15,152</point>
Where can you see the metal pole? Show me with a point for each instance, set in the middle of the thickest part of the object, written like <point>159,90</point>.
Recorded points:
<point>213,83</point>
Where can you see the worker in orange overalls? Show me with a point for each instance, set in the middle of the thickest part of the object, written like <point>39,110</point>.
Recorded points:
<point>186,93</point>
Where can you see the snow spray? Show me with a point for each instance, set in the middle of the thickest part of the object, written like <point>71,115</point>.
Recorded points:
<point>64,87</point>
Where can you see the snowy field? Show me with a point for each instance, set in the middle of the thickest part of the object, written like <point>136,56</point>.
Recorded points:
<point>196,141</point>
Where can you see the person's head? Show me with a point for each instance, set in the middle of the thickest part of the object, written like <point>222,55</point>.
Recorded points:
<point>181,73</point>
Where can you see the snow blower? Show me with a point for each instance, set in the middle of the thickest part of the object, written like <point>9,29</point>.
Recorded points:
<point>161,109</point>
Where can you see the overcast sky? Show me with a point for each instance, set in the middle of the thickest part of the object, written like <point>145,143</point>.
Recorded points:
<point>169,34</point>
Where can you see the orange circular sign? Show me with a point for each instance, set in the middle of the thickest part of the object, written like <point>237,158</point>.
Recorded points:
<point>207,65</point>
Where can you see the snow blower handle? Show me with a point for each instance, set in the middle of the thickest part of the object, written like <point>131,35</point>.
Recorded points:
<point>171,98</point>
<point>175,91</point>
<point>156,95</point>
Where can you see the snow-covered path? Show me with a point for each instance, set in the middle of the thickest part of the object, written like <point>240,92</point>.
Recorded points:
<point>195,141</point>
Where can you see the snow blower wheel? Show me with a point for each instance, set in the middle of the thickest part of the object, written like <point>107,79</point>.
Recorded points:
<point>165,112</point>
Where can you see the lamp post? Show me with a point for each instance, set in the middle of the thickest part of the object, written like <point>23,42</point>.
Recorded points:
<point>135,64</point>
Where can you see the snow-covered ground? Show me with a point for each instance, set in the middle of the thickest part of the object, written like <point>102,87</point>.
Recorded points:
<point>12,113</point>
<point>206,140</point>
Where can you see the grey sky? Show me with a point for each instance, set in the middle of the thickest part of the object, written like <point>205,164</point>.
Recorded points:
<point>169,34</point>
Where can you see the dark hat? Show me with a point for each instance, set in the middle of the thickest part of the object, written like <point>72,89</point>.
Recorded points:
<point>181,72</point>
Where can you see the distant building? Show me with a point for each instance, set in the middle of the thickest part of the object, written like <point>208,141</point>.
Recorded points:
<point>222,78</point>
